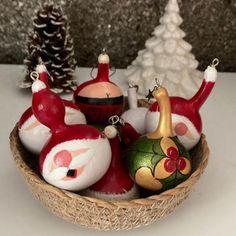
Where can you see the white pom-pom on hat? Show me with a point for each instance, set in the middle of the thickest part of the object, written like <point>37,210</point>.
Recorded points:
<point>210,74</point>
<point>41,68</point>
<point>37,86</point>
<point>103,58</point>
<point>110,131</point>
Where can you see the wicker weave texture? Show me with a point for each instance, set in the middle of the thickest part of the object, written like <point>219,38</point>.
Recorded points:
<point>105,215</point>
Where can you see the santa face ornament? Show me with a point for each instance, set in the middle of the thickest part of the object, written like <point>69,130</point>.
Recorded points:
<point>76,156</point>
<point>186,119</point>
<point>76,164</point>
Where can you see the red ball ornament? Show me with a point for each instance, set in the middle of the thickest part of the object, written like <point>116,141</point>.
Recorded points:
<point>186,119</point>
<point>76,156</point>
<point>35,135</point>
<point>100,98</point>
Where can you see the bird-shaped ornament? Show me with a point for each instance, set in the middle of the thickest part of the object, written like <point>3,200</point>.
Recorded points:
<point>35,135</point>
<point>186,119</point>
<point>76,156</point>
<point>157,161</point>
<point>100,98</point>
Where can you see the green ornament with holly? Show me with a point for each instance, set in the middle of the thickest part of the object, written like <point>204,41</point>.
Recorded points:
<point>158,161</point>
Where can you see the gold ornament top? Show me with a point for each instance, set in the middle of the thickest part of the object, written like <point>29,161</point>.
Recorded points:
<point>164,127</point>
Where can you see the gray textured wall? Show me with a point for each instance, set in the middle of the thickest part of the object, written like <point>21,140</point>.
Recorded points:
<point>123,26</point>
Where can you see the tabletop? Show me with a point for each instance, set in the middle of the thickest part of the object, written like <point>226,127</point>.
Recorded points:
<point>209,210</point>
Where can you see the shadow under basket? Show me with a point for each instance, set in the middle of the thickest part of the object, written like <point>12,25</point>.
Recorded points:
<point>100,214</point>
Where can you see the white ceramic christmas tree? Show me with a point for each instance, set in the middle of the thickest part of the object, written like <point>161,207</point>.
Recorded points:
<point>166,57</point>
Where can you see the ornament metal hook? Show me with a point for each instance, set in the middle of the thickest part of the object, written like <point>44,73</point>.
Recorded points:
<point>215,62</point>
<point>113,71</point>
<point>34,75</point>
<point>158,84</point>
<point>113,120</point>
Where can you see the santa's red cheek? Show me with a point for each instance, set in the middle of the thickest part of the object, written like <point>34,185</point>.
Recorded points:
<point>62,158</point>
<point>180,129</point>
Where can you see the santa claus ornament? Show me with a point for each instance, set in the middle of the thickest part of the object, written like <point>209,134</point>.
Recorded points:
<point>32,133</point>
<point>186,119</point>
<point>157,161</point>
<point>76,156</point>
<point>116,184</point>
<point>100,98</point>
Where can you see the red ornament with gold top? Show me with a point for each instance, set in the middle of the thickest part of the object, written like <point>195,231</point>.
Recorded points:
<point>100,98</point>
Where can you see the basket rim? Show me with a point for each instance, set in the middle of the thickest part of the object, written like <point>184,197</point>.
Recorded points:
<point>168,194</point>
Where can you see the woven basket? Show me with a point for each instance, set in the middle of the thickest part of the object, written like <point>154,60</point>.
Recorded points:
<point>99,214</point>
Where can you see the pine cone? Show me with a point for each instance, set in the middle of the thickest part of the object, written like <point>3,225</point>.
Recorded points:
<point>51,41</point>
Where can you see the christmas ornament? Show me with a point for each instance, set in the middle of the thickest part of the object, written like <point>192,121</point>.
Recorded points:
<point>76,156</point>
<point>186,120</point>
<point>166,56</point>
<point>51,41</point>
<point>116,184</point>
<point>133,123</point>
<point>157,161</point>
<point>135,116</point>
<point>32,133</point>
<point>100,98</point>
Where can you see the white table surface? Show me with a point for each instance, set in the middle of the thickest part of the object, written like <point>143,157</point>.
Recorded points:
<point>209,210</point>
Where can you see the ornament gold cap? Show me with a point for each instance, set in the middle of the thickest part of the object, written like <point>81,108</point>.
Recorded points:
<point>164,127</point>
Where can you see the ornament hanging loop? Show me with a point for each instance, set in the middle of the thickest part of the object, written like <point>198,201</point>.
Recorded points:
<point>113,120</point>
<point>215,62</point>
<point>91,73</point>
<point>34,75</point>
<point>158,85</point>
<point>113,71</point>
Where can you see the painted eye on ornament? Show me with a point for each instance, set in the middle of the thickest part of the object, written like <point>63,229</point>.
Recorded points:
<point>164,168</point>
